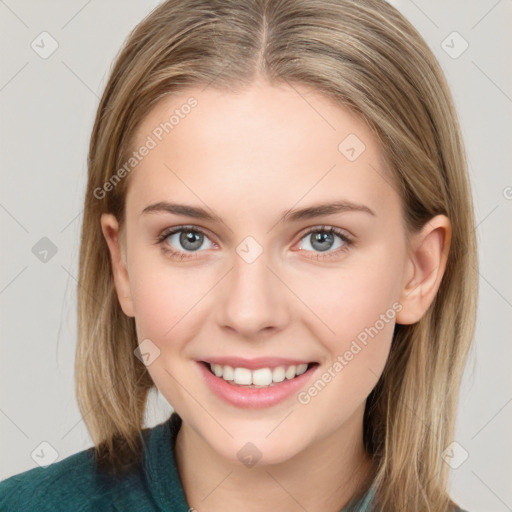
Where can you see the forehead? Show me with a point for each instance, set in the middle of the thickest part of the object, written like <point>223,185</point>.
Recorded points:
<point>267,145</point>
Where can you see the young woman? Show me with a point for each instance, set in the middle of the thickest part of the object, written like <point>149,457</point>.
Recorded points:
<point>278,236</point>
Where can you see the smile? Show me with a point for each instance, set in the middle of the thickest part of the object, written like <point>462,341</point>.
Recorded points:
<point>260,377</point>
<point>264,384</point>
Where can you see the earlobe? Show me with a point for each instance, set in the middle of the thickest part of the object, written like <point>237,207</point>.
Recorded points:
<point>428,254</point>
<point>111,232</point>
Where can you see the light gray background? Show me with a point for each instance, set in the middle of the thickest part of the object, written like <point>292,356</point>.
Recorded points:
<point>47,108</point>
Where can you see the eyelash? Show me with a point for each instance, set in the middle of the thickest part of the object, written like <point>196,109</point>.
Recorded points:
<point>179,255</point>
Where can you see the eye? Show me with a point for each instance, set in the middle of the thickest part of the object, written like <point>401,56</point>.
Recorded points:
<point>183,242</point>
<point>323,239</point>
<point>180,240</point>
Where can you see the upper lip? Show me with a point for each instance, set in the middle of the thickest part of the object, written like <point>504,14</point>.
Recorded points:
<point>252,364</point>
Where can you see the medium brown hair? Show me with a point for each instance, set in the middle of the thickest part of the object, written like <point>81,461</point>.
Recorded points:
<point>368,58</point>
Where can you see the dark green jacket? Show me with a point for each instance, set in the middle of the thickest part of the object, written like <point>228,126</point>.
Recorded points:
<point>73,484</point>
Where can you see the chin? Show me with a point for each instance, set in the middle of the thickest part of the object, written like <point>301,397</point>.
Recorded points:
<point>251,448</point>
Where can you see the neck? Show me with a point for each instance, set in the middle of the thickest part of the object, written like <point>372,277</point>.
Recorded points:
<point>324,477</point>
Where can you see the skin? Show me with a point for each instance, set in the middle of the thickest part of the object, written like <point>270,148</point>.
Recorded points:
<point>247,157</point>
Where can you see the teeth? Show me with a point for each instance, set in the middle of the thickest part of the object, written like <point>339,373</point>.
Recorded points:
<point>301,368</point>
<point>290,372</point>
<point>242,376</point>
<point>217,369</point>
<point>228,373</point>
<point>278,374</point>
<point>260,377</point>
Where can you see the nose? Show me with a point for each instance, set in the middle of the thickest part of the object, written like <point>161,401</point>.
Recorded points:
<point>254,301</point>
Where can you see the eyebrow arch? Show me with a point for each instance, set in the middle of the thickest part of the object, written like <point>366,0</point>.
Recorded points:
<point>317,210</point>
<point>180,209</point>
<point>291,215</point>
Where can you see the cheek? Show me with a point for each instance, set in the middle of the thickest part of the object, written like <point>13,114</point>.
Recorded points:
<point>354,316</point>
<point>361,316</point>
<point>344,302</point>
<point>168,312</point>
<point>161,298</point>
<point>170,303</point>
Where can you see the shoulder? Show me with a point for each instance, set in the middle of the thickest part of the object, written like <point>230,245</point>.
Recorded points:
<point>48,486</point>
<point>70,484</point>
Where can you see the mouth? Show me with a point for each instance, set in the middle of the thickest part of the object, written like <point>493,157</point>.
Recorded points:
<point>263,377</point>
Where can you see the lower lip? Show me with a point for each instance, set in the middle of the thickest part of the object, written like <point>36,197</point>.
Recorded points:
<point>254,398</point>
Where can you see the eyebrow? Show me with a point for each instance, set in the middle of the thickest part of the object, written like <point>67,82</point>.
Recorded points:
<point>292,215</point>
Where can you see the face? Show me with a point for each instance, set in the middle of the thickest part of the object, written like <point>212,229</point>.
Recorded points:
<point>250,285</point>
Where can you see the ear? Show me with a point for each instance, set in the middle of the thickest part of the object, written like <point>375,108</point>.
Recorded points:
<point>426,263</point>
<point>110,229</point>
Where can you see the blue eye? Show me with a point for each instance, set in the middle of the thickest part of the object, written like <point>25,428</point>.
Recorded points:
<point>323,238</point>
<point>189,239</point>
<point>184,242</point>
